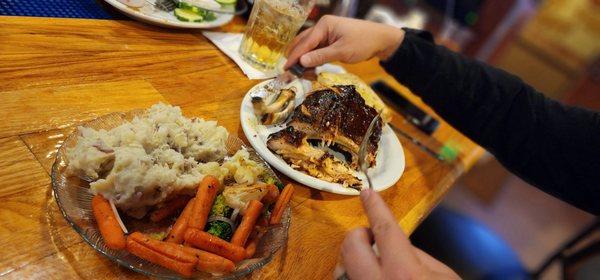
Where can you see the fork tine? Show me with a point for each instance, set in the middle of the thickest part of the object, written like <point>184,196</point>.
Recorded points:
<point>164,5</point>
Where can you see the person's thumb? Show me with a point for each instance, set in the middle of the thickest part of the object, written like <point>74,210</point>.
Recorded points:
<point>319,57</point>
<point>394,247</point>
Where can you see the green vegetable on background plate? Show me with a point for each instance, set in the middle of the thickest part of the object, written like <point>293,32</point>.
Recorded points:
<point>226,2</point>
<point>189,13</point>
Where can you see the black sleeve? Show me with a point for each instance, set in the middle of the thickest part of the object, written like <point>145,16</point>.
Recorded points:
<point>550,145</point>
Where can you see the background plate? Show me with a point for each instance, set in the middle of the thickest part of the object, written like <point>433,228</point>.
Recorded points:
<point>167,19</point>
<point>390,157</point>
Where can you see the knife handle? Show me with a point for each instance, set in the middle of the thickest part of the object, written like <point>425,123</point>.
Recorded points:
<point>297,70</point>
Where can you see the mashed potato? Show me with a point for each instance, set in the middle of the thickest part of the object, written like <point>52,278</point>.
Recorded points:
<point>162,153</point>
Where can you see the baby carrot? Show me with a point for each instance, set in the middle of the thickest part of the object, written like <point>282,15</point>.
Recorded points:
<point>247,224</point>
<point>107,223</point>
<point>170,208</point>
<point>253,241</point>
<point>211,263</point>
<point>183,268</point>
<point>177,232</point>
<point>280,205</point>
<point>205,196</point>
<point>170,250</point>
<point>271,195</point>
<point>213,244</point>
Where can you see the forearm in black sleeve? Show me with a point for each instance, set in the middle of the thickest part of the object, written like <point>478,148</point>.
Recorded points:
<point>550,145</point>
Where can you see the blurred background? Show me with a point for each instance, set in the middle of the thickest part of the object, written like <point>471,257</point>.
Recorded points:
<point>554,45</point>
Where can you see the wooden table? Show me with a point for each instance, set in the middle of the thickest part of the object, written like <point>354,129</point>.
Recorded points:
<point>56,73</point>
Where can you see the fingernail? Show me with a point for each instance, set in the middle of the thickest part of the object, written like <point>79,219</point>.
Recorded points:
<point>365,193</point>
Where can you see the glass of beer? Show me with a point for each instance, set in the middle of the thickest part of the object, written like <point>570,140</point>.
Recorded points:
<point>271,27</point>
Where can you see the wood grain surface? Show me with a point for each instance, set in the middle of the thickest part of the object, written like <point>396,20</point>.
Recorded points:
<point>58,73</point>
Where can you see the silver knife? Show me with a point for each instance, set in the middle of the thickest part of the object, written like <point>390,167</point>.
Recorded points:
<point>297,71</point>
<point>422,146</point>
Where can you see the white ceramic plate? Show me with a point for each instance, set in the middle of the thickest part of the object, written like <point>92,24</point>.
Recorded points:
<point>387,171</point>
<point>167,19</point>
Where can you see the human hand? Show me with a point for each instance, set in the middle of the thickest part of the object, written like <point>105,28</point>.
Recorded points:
<point>397,258</point>
<point>343,39</point>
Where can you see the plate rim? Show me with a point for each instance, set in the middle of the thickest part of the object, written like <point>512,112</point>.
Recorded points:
<point>298,176</point>
<point>137,15</point>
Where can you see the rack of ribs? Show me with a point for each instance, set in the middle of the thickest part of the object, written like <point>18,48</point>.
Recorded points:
<point>336,118</point>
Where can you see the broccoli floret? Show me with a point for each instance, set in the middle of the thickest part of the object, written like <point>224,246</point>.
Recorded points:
<point>158,235</point>
<point>220,229</point>
<point>271,180</point>
<point>220,208</point>
<point>217,228</point>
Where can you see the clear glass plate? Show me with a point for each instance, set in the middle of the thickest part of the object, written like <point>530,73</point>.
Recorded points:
<point>74,201</point>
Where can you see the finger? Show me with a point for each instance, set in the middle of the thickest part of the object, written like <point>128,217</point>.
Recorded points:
<point>310,41</point>
<point>358,257</point>
<point>320,56</point>
<point>395,249</point>
<point>297,39</point>
<point>433,264</point>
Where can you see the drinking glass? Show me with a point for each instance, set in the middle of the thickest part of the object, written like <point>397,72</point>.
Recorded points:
<point>271,27</point>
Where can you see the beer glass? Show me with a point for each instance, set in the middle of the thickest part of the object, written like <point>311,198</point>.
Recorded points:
<point>271,27</point>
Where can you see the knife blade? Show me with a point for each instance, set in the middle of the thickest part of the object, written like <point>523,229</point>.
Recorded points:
<point>422,146</point>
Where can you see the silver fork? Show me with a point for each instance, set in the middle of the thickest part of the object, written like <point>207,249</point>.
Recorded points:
<point>362,151</point>
<point>164,5</point>
<point>363,165</point>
